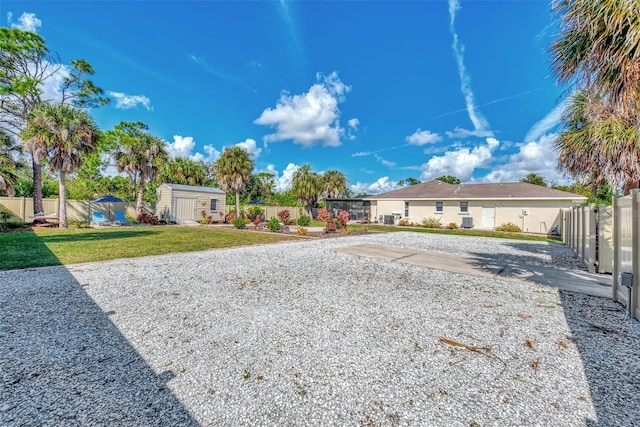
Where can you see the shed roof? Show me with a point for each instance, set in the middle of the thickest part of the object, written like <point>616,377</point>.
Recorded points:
<point>495,191</point>
<point>193,188</point>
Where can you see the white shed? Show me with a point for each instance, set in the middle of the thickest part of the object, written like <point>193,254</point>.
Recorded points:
<point>184,204</point>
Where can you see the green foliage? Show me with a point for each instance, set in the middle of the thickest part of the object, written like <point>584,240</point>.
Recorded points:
<point>287,198</point>
<point>431,223</point>
<point>233,170</point>
<point>239,223</point>
<point>409,181</point>
<point>184,171</point>
<point>333,183</point>
<point>255,211</point>
<point>304,220</point>
<point>306,185</point>
<point>509,226</point>
<point>273,225</point>
<point>534,178</point>
<point>449,179</point>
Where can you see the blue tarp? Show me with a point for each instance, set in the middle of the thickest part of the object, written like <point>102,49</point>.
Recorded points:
<point>256,202</point>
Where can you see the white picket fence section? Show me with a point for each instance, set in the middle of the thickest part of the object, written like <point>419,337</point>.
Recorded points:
<point>607,240</point>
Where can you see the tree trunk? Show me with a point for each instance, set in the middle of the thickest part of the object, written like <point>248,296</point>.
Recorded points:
<point>140,196</point>
<point>37,186</point>
<point>62,215</point>
<point>238,204</point>
<point>628,186</point>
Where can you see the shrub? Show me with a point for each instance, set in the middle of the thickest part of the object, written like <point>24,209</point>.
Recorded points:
<point>330,227</point>
<point>364,229</point>
<point>239,223</point>
<point>404,222</point>
<point>304,220</point>
<point>452,226</point>
<point>302,231</point>
<point>431,223</point>
<point>509,226</point>
<point>323,215</point>
<point>231,217</point>
<point>345,231</point>
<point>79,224</point>
<point>343,218</point>
<point>146,218</point>
<point>273,225</point>
<point>255,211</point>
<point>284,215</point>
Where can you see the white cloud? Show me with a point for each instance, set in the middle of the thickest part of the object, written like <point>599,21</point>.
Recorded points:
<point>532,157</point>
<point>183,146</point>
<point>381,185</point>
<point>460,163</point>
<point>308,118</point>
<point>362,154</point>
<point>551,120</point>
<point>26,22</point>
<point>478,120</point>
<point>51,87</point>
<point>283,183</point>
<point>422,137</point>
<point>126,102</point>
<point>459,132</point>
<point>384,162</point>
<point>353,123</point>
<point>250,145</point>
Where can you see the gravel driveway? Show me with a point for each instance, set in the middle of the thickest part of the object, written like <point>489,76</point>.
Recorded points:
<point>297,334</point>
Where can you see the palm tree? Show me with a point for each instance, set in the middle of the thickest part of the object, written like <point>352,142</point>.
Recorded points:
<point>233,170</point>
<point>69,134</point>
<point>306,185</point>
<point>9,166</point>
<point>180,170</point>
<point>140,154</point>
<point>333,183</point>
<point>599,50</point>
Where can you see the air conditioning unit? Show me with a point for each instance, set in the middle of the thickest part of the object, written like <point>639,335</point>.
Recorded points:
<point>389,219</point>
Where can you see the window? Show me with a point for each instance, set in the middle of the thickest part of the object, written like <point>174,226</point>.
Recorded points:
<point>406,209</point>
<point>464,207</point>
<point>439,207</point>
<point>214,205</point>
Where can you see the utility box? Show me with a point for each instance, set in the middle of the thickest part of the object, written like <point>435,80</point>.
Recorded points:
<point>467,222</point>
<point>389,219</point>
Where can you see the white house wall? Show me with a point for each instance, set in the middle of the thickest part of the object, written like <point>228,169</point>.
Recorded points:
<point>541,215</point>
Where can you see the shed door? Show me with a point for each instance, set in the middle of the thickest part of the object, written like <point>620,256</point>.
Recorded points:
<point>488,216</point>
<point>185,209</point>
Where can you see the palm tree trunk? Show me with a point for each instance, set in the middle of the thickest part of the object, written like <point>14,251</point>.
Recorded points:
<point>63,201</point>
<point>140,195</point>
<point>238,204</point>
<point>37,186</point>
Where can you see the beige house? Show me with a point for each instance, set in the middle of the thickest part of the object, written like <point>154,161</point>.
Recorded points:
<point>184,204</point>
<point>534,208</point>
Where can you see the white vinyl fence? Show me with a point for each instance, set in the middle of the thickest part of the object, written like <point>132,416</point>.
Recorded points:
<point>607,239</point>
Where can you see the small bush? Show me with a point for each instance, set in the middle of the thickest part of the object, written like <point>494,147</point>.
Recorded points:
<point>431,223</point>
<point>343,218</point>
<point>330,227</point>
<point>509,226</point>
<point>323,215</point>
<point>302,231</point>
<point>304,220</point>
<point>146,218</point>
<point>255,211</point>
<point>364,229</point>
<point>452,226</point>
<point>284,215</point>
<point>404,222</point>
<point>79,224</point>
<point>273,225</point>
<point>239,223</point>
<point>231,217</point>
<point>346,231</point>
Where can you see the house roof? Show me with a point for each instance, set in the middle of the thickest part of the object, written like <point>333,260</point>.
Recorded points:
<point>495,191</point>
<point>193,188</point>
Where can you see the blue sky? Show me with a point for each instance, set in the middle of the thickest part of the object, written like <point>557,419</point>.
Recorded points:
<point>379,90</point>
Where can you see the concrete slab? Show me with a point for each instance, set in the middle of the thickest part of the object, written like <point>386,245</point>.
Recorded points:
<point>571,280</point>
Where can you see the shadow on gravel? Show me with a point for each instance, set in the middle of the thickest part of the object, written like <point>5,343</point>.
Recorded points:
<point>609,344</point>
<point>63,362</point>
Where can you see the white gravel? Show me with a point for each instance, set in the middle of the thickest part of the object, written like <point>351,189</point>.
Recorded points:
<point>297,334</point>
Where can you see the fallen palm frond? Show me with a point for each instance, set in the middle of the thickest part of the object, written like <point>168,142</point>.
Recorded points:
<point>480,350</point>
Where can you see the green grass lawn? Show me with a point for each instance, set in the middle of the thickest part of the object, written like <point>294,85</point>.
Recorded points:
<point>27,248</point>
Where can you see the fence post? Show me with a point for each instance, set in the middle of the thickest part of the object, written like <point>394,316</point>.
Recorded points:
<point>635,258</point>
<point>590,257</point>
<point>616,249</point>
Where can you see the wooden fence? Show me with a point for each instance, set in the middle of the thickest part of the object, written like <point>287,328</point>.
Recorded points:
<point>77,210</point>
<point>607,239</point>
